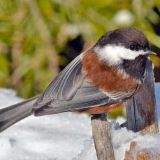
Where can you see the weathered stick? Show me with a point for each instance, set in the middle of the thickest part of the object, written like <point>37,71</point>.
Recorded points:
<point>141,110</point>
<point>102,137</point>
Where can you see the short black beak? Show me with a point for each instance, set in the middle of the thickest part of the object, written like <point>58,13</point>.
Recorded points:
<point>153,53</point>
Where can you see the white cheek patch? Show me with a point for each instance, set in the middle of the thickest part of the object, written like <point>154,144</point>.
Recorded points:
<point>114,55</point>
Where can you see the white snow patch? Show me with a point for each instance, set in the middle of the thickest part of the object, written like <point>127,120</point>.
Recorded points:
<point>65,136</point>
<point>8,97</point>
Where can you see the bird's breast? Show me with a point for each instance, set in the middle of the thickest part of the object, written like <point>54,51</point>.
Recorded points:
<point>107,78</point>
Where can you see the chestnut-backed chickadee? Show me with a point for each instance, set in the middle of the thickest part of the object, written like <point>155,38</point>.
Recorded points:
<point>107,74</point>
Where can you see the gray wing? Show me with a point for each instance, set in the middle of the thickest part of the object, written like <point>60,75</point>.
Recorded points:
<point>87,96</point>
<point>64,86</point>
<point>71,91</point>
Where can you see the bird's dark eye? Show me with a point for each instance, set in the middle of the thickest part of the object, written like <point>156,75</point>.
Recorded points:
<point>146,48</point>
<point>134,47</point>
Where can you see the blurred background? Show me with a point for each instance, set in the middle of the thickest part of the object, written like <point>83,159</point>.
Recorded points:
<point>38,38</point>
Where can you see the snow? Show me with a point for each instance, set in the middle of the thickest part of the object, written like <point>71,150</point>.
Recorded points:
<point>65,136</point>
<point>55,137</point>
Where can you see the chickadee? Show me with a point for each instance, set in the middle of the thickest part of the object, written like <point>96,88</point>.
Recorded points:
<point>107,74</point>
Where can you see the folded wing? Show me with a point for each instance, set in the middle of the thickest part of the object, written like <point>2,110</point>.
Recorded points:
<point>71,91</point>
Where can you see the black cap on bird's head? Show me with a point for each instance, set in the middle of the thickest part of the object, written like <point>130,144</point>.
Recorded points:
<point>122,44</point>
<point>129,38</point>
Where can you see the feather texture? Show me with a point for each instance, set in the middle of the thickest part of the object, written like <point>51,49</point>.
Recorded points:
<point>74,90</point>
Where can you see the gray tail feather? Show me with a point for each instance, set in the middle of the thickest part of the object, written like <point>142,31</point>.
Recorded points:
<point>14,113</point>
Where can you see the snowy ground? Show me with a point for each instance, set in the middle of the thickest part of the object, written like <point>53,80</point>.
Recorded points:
<point>64,136</point>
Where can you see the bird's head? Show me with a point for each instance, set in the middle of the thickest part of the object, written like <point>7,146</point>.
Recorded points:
<point>122,44</point>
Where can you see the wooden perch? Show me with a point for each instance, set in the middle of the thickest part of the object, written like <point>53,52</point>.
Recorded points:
<point>141,110</point>
<point>135,153</point>
<point>102,137</point>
